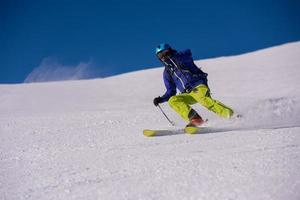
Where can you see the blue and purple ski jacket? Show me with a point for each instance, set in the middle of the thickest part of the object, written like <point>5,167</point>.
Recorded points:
<point>181,72</point>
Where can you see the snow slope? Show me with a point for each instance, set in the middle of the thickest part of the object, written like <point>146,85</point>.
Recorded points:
<point>83,139</point>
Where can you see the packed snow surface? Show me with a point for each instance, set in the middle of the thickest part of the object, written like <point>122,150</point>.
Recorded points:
<point>83,139</point>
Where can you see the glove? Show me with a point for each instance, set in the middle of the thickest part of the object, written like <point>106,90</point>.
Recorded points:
<point>157,101</point>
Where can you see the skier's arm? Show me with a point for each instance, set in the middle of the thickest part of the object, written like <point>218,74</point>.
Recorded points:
<point>170,86</point>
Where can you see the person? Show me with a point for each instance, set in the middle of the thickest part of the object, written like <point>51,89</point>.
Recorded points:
<point>181,73</point>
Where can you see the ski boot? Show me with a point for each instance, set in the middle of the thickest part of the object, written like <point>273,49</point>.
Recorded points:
<point>195,119</point>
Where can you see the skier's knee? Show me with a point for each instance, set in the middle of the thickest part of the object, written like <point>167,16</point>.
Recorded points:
<point>206,102</point>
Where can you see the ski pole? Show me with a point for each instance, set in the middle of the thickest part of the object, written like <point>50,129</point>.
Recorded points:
<point>172,123</point>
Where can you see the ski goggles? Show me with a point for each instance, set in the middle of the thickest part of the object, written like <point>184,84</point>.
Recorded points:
<point>163,54</point>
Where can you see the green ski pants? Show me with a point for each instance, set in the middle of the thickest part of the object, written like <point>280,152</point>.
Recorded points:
<point>200,94</point>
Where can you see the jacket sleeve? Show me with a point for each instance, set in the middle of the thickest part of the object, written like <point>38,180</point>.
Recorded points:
<point>170,86</point>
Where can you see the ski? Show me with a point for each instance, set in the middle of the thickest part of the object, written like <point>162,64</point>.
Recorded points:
<point>193,129</point>
<point>165,132</point>
<point>161,132</point>
<point>149,133</point>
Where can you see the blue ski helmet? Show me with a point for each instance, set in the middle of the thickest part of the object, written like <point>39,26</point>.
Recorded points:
<point>162,47</point>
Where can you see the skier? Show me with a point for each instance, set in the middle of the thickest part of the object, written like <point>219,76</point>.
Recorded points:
<point>181,72</point>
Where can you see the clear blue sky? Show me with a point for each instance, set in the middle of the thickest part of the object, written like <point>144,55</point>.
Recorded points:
<point>120,36</point>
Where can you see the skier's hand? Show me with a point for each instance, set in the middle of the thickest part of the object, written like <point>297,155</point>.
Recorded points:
<point>157,101</point>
